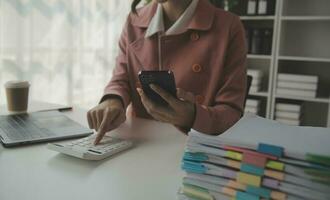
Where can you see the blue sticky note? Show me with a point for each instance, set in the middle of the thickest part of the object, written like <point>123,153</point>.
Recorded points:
<point>263,192</point>
<point>193,167</point>
<point>252,169</point>
<point>270,149</point>
<point>195,156</point>
<point>245,196</point>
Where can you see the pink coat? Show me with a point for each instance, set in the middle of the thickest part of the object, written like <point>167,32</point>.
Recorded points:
<point>208,59</point>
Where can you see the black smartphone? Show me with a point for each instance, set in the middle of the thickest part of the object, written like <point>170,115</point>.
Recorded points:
<point>164,79</point>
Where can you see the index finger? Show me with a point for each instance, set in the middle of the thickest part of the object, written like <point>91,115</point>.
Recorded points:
<point>165,95</point>
<point>102,129</point>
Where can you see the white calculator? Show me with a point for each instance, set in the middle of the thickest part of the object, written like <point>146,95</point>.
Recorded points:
<point>85,149</point>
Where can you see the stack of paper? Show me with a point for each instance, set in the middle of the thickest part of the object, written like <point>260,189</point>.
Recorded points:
<point>288,113</point>
<point>297,85</point>
<point>258,159</point>
<point>256,79</point>
<point>252,106</point>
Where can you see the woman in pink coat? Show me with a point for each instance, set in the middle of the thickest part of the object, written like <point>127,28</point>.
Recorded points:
<point>205,49</point>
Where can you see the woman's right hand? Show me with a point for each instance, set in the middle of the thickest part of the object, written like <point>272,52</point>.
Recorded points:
<point>105,117</point>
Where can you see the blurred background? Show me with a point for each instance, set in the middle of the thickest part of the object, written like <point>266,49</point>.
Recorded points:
<point>65,48</point>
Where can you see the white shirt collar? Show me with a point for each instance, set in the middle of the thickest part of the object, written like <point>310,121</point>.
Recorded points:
<point>180,25</point>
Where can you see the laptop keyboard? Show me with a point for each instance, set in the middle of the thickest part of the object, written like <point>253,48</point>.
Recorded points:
<point>18,128</point>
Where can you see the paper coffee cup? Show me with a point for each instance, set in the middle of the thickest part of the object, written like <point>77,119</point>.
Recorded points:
<point>17,95</point>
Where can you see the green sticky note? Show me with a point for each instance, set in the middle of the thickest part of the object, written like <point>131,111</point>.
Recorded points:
<point>318,172</point>
<point>324,160</point>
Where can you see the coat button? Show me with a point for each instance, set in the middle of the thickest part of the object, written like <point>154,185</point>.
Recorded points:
<point>199,99</point>
<point>197,68</point>
<point>194,36</point>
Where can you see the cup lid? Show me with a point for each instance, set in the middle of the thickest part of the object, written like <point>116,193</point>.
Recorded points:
<point>17,84</point>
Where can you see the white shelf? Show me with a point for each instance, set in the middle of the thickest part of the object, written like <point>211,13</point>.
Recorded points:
<point>305,8</point>
<point>304,38</point>
<point>300,58</point>
<point>255,56</point>
<point>317,99</point>
<point>301,42</point>
<point>260,94</point>
<point>306,18</point>
<point>257,17</point>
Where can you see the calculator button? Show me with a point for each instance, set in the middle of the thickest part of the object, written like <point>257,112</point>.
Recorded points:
<point>79,148</point>
<point>94,151</point>
<point>107,150</point>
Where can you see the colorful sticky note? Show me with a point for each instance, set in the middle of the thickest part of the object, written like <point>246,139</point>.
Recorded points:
<point>252,169</point>
<point>324,160</point>
<point>263,192</point>
<point>248,179</point>
<point>275,165</point>
<point>254,159</point>
<point>245,196</point>
<point>270,149</point>
<point>233,155</point>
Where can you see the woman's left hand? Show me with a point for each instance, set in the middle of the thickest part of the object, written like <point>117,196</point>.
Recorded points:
<point>180,111</point>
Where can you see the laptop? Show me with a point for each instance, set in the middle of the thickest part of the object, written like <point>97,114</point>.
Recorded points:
<point>19,129</point>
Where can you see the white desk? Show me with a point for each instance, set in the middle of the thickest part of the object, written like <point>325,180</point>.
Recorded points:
<point>151,170</point>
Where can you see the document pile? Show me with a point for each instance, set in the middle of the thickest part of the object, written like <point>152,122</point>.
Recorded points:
<point>258,159</point>
<point>252,106</point>
<point>257,76</point>
<point>297,85</point>
<point>288,113</point>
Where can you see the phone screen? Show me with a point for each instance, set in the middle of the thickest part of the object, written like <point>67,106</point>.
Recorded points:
<point>164,79</point>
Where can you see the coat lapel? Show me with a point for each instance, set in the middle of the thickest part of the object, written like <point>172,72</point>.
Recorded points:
<point>145,50</point>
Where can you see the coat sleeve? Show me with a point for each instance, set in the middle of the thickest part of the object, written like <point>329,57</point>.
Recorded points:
<point>229,100</point>
<point>118,86</point>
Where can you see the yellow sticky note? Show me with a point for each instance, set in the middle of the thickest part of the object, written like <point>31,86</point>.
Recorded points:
<point>234,155</point>
<point>248,179</point>
<point>236,185</point>
<point>278,195</point>
<point>275,174</point>
<point>229,191</point>
<point>234,164</point>
<point>275,165</point>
